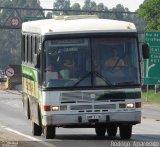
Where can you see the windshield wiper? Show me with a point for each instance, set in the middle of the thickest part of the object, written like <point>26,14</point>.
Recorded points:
<point>103,78</point>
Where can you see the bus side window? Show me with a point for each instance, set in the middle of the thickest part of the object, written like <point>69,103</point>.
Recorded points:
<point>26,50</point>
<point>36,45</point>
<point>23,48</point>
<point>36,52</point>
<point>30,49</point>
<point>33,48</point>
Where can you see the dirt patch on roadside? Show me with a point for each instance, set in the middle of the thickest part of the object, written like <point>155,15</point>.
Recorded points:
<point>6,136</point>
<point>10,139</point>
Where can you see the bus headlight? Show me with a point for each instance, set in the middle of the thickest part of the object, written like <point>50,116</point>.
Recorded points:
<point>55,108</point>
<point>130,105</point>
<point>59,108</point>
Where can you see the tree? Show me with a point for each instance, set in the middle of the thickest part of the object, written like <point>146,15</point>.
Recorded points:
<point>49,15</point>
<point>76,6</point>
<point>89,6</point>
<point>117,9</point>
<point>10,40</point>
<point>28,4</point>
<point>150,12</point>
<point>61,5</point>
<point>102,7</point>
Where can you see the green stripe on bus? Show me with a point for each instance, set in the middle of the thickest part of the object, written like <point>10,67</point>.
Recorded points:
<point>30,72</point>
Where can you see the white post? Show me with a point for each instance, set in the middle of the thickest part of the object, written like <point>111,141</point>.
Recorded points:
<point>147,94</point>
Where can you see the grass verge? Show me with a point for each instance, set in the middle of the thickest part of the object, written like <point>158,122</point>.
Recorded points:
<point>151,96</point>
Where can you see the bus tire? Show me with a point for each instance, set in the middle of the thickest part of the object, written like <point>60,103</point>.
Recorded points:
<point>36,129</point>
<point>100,130</point>
<point>125,131</point>
<point>111,130</point>
<point>49,132</point>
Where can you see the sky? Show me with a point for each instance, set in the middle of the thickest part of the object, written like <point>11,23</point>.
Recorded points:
<point>132,5</point>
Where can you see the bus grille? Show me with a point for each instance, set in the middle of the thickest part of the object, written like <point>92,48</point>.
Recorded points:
<point>81,107</point>
<point>90,107</point>
<point>86,97</point>
<point>79,96</point>
<point>107,106</point>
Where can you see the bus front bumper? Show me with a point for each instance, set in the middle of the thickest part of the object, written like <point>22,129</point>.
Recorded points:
<point>92,118</point>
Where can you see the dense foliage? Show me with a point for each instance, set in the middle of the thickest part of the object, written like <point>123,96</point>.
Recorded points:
<point>150,12</point>
<point>10,39</point>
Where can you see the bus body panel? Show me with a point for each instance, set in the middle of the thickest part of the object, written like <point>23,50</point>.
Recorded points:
<point>105,118</point>
<point>113,110</point>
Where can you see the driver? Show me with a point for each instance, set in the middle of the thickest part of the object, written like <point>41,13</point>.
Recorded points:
<point>114,61</point>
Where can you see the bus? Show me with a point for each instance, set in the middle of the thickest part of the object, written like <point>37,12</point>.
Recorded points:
<point>66,81</point>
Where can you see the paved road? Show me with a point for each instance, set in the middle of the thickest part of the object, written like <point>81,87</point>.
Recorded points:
<point>15,127</point>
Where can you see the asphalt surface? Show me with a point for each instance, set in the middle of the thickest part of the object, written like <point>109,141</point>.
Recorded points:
<point>15,129</point>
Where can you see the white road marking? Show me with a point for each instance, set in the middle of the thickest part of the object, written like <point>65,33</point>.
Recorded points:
<point>29,137</point>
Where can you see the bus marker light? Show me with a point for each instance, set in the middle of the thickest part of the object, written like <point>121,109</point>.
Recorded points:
<point>122,105</point>
<point>138,104</point>
<point>130,105</point>
<point>47,108</point>
<point>63,108</point>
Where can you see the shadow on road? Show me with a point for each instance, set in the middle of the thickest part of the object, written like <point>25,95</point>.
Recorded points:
<point>135,137</point>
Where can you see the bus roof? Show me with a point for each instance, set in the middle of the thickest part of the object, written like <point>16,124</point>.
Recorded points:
<point>79,24</point>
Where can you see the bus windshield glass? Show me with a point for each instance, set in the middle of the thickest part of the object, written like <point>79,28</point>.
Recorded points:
<point>91,62</point>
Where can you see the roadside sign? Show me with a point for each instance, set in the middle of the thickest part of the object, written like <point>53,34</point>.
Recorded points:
<point>9,72</point>
<point>152,65</point>
<point>15,21</point>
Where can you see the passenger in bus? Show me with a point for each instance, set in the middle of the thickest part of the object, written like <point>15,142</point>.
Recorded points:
<point>50,68</point>
<point>67,69</point>
<point>114,62</point>
<point>49,64</point>
<point>69,64</point>
<point>51,71</point>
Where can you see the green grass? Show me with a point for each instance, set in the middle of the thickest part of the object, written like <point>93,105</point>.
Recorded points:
<point>151,96</point>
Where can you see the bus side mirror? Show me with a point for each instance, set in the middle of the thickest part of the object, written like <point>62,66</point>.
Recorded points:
<point>37,60</point>
<point>145,51</point>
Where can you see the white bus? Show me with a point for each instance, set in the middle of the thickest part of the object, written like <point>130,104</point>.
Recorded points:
<point>67,83</point>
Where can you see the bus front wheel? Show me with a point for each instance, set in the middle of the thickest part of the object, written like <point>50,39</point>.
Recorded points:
<point>125,131</point>
<point>49,132</point>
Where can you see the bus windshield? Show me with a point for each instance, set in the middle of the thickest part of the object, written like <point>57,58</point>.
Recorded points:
<point>91,62</point>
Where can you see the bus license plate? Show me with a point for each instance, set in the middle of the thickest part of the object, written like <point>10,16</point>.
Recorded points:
<point>95,116</point>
